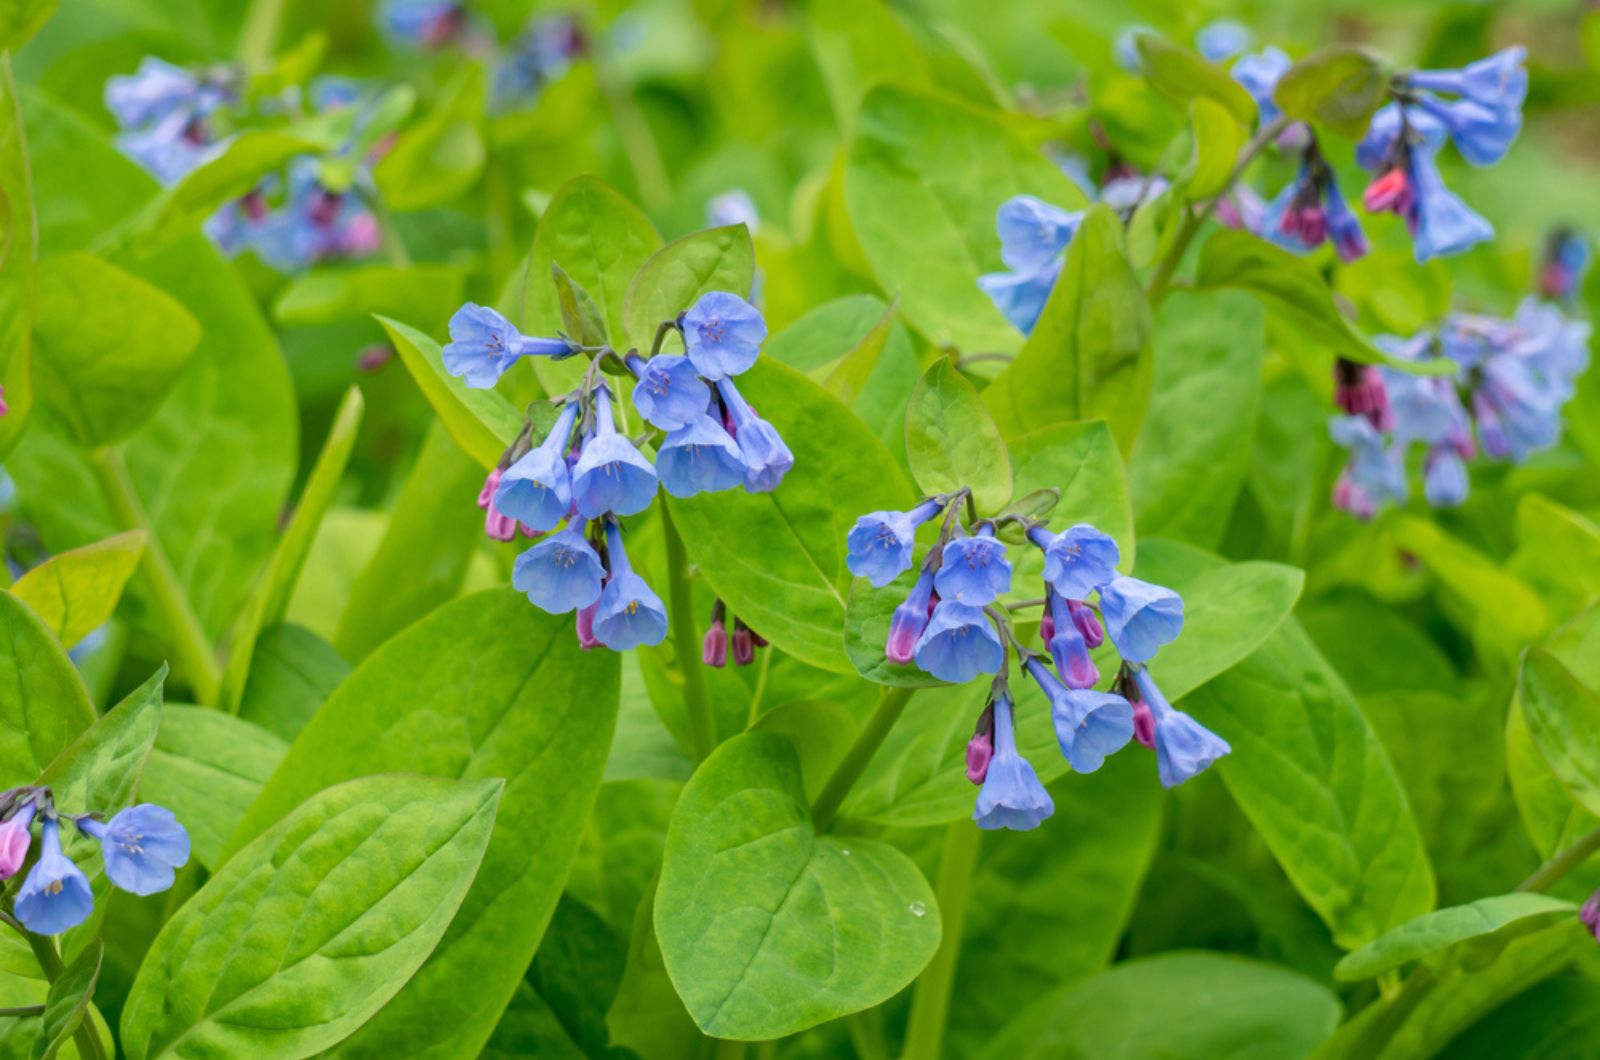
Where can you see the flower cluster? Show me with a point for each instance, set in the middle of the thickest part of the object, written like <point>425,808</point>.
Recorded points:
<point>141,846</point>
<point>165,115</point>
<point>586,472</point>
<point>1033,242</point>
<point>1510,380</point>
<point>544,49</point>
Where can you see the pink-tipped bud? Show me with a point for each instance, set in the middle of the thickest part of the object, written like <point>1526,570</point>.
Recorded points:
<point>14,841</point>
<point>714,649</point>
<point>490,484</point>
<point>1358,390</point>
<point>1072,660</point>
<point>1144,723</point>
<point>1589,914</point>
<point>1088,623</point>
<point>1390,193</point>
<point>1047,626</point>
<point>744,645</point>
<point>498,527</point>
<point>586,638</point>
<point>4,408</point>
<point>980,750</point>
<point>910,619</point>
<point>374,357</point>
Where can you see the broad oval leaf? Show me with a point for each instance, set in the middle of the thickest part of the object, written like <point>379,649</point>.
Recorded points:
<point>76,591</point>
<point>1501,916</point>
<point>310,929</point>
<point>1338,87</point>
<point>716,259</point>
<point>50,706</point>
<point>1182,75</point>
<point>952,442</point>
<point>487,686</point>
<point>481,421</point>
<point>1563,716</point>
<point>1218,137</point>
<point>767,928</point>
<point>778,558</point>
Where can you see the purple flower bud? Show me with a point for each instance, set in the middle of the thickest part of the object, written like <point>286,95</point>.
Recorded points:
<point>1069,649</point>
<point>909,620</point>
<point>498,527</point>
<point>1589,915</point>
<point>586,638</point>
<point>744,644</point>
<point>14,840</point>
<point>1088,623</point>
<point>1358,390</point>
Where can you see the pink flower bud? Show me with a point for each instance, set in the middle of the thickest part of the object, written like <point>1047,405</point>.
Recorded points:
<point>714,650</point>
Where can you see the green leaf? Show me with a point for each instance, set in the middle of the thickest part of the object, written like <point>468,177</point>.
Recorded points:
<point>294,672</point>
<point>21,19</point>
<point>850,374</point>
<point>1556,1020</point>
<point>423,292</point>
<point>1506,614</point>
<point>18,231</point>
<point>1080,460</point>
<point>527,1028</point>
<point>441,155</point>
<point>481,421</point>
<point>951,442</point>
<point>76,591</point>
<point>1210,1005</point>
<point>110,346</point>
<point>270,598</point>
<point>487,686</point>
<point>207,767</point>
<point>924,178</point>
<point>1564,718</point>
<point>766,943</point>
<point>1192,455</point>
<point>1338,87</point>
<point>778,558</point>
<point>716,259</point>
<point>1182,76</point>
<point>310,929</point>
<point>857,46</point>
<point>1089,354</point>
<point>1558,550</point>
<point>1503,916</point>
<point>580,317</point>
<point>45,706</point>
<point>646,1014</point>
<point>68,1002</point>
<point>1218,138</point>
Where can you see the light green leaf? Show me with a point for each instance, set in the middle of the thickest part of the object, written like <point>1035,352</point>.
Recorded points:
<point>110,346</point>
<point>1558,550</point>
<point>270,598</point>
<point>1183,76</point>
<point>76,591</point>
<point>1089,354</point>
<point>524,703</point>
<point>925,175</point>
<point>951,442</point>
<point>1218,138</point>
<point>21,19</point>
<point>68,1002</point>
<point>1080,460</point>
<point>580,317</point>
<point>767,943</point>
<point>1211,1005</point>
<point>1503,916</point>
<point>1193,453</point>
<point>293,673</point>
<point>716,259</point>
<point>1505,613</point>
<point>778,558</point>
<point>19,242</point>
<point>481,421</point>
<point>423,292</point>
<point>850,374</point>
<point>857,46</point>
<point>1338,87</point>
<point>1564,718</point>
<point>441,155</point>
<point>310,929</point>
<point>207,767</point>
<point>45,706</point>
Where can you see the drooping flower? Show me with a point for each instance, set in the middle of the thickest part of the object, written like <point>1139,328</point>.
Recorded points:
<point>909,620</point>
<point>542,52</point>
<point>743,643</point>
<point>15,839</point>
<point>1444,225</point>
<point>959,644</point>
<point>1068,646</point>
<point>1444,480</point>
<point>1223,39</point>
<point>714,648</point>
<point>611,474</point>
<point>483,344</point>
<point>1021,297</point>
<point>537,489</point>
<point>56,896</point>
<point>1184,747</point>
<point>879,547</point>
<point>142,846</point>
<point>980,749</point>
<point>1400,148</point>
<point>1486,114</point>
<point>1375,475</point>
<point>1034,236</point>
<point>1358,390</point>
<point>1011,796</point>
<point>722,334</point>
<point>585,623</point>
<point>975,569</point>
<point>1242,208</point>
<point>156,90</point>
<point>670,394</point>
<point>699,458</point>
<point>1140,617</point>
<point>733,207</point>
<point>1311,210</point>
<point>1089,725</point>
<point>1589,915</point>
<point>1078,560</point>
<point>561,573</point>
<point>1566,259</point>
<point>171,147</point>
<point>316,223</point>
<point>766,458</point>
<point>630,612</point>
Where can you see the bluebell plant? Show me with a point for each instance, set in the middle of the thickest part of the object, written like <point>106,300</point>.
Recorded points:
<point>141,848</point>
<point>570,490</point>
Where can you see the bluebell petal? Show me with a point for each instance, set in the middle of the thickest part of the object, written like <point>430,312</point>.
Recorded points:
<point>1033,233</point>
<point>1140,617</point>
<point>959,644</point>
<point>670,394</point>
<point>723,334</point>
<point>699,458</point>
<point>1011,796</point>
<point>975,570</point>
<point>561,573</point>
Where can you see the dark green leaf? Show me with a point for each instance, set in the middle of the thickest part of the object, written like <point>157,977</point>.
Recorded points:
<point>18,231</point>
<point>68,1002</point>
<point>293,673</point>
<point>1564,718</point>
<point>441,155</point>
<point>1183,76</point>
<point>426,293</point>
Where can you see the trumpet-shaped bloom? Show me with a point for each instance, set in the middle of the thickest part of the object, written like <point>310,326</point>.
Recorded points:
<point>1078,560</point>
<point>537,489</point>
<point>699,458</point>
<point>15,839</point>
<point>483,344</point>
<point>879,547</point>
<point>630,612</point>
<point>428,23</point>
<point>723,334</point>
<point>975,569</point>
<point>959,644</point>
<point>142,846</point>
<point>56,895</point>
<point>561,573</point>
<point>1089,725</point>
<point>1184,747</point>
<point>1034,233</point>
<point>1444,479</point>
<point>1498,82</point>
<point>1020,296</point>
<point>158,89</point>
<point>611,474</point>
<point>1375,474</point>
<point>1140,617</point>
<point>1011,796</point>
<point>670,394</point>
<point>766,458</point>
<point>909,620</point>
<point>1444,224</point>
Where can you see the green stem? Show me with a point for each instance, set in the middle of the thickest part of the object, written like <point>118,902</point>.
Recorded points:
<point>930,1002</point>
<point>191,647</point>
<point>849,770</point>
<point>44,948</point>
<point>1161,282</point>
<point>393,245</point>
<point>23,1010</point>
<point>1564,862</point>
<point>259,34</point>
<point>686,644</point>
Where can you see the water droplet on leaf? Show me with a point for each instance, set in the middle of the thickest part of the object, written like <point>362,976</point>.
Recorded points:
<point>918,909</point>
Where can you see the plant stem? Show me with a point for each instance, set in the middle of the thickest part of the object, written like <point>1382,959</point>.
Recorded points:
<point>1564,862</point>
<point>87,1038</point>
<point>930,1002</point>
<point>191,647</point>
<point>23,1010</point>
<point>393,245</point>
<point>686,644</point>
<point>849,770</point>
<point>259,34</point>
<point>1161,282</point>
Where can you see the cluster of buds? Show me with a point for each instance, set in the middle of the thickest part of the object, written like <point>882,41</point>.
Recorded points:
<point>587,473</point>
<point>1311,211</point>
<point>141,846</point>
<point>743,641</point>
